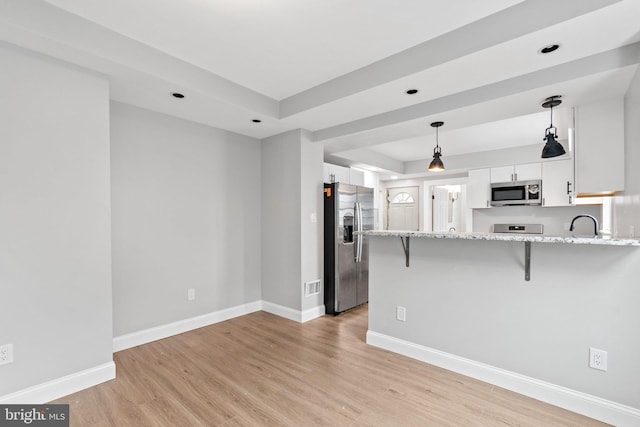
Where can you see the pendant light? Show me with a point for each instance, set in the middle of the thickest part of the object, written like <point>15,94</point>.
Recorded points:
<point>436,164</point>
<point>552,148</point>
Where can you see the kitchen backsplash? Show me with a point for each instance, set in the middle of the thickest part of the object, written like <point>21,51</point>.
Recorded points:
<point>554,220</point>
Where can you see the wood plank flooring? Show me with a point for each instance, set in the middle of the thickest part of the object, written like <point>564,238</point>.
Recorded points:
<point>262,370</point>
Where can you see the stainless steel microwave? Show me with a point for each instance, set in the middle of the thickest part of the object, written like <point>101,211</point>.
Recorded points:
<point>516,193</point>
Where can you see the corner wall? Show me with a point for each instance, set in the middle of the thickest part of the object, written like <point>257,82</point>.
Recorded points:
<point>292,193</point>
<point>281,220</point>
<point>312,218</point>
<point>186,214</point>
<point>55,249</point>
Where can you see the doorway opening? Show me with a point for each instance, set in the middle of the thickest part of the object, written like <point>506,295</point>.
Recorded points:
<point>446,209</point>
<point>445,206</point>
<point>403,209</point>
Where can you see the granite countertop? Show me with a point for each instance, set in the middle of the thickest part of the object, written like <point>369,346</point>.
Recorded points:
<point>509,237</point>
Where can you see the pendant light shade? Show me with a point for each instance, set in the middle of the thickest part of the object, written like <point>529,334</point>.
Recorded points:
<point>436,164</point>
<point>552,148</point>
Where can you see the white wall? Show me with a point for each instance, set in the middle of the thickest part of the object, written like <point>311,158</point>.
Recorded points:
<point>292,190</point>
<point>186,214</point>
<point>55,253</point>
<point>312,216</point>
<point>281,220</point>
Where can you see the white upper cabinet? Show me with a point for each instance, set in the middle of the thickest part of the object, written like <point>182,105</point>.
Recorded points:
<point>356,177</point>
<point>557,183</point>
<point>502,174</point>
<point>479,188</point>
<point>526,172</point>
<point>600,147</point>
<point>335,173</point>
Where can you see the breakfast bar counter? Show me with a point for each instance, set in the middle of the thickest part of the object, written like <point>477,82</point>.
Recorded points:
<point>509,237</point>
<point>465,305</point>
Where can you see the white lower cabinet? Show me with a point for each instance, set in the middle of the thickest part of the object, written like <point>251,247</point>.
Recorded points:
<point>479,188</point>
<point>557,183</point>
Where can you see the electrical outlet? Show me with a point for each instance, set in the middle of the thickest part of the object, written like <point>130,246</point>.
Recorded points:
<point>597,359</point>
<point>191,294</point>
<point>401,313</point>
<point>6,354</point>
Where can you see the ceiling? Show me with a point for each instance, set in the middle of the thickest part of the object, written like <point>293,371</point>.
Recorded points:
<point>341,69</point>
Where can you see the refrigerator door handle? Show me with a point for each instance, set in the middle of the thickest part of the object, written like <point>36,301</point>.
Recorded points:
<point>356,227</point>
<point>360,228</point>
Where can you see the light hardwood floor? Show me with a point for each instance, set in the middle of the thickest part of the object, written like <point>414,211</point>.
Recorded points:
<point>262,370</point>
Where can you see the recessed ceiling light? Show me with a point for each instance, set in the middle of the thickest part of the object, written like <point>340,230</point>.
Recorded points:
<point>177,95</point>
<point>550,48</point>
<point>256,121</point>
<point>411,91</point>
<point>393,177</point>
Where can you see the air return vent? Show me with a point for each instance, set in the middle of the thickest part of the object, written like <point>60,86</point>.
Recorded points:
<point>312,288</point>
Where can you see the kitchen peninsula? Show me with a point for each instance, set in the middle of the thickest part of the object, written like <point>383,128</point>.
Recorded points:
<point>467,307</point>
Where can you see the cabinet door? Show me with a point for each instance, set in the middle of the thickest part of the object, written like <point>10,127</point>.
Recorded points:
<point>342,174</point>
<point>502,174</point>
<point>356,177</point>
<point>600,134</point>
<point>479,188</point>
<point>327,172</point>
<point>528,172</point>
<point>338,173</point>
<point>557,183</point>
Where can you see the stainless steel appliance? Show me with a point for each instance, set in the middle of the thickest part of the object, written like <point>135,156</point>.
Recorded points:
<point>518,228</point>
<point>516,193</point>
<point>347,209</point>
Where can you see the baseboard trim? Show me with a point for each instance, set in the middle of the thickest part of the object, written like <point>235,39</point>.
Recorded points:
<point>60,387</point>
<point>145,336</point>
<point>312,313</point>
<point>572,400</point>
<point>291,314</point>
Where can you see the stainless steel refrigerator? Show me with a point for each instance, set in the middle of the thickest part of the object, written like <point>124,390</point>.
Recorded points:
<point>347,209</point>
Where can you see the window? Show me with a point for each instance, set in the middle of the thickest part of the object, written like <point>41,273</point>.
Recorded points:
<point>402,198</point>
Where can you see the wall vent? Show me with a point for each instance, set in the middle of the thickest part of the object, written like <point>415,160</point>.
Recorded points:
<point>312,288</point>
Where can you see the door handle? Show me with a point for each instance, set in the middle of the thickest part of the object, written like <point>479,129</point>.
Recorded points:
<point>358,236</point>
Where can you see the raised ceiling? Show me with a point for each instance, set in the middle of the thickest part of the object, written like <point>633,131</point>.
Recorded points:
<point>341,68</point>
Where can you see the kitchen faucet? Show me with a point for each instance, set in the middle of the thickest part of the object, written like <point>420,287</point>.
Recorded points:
<point>595,222</point>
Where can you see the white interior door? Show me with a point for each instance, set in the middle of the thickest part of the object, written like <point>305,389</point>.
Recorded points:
<point>440,209</point>
<point>402,208</point>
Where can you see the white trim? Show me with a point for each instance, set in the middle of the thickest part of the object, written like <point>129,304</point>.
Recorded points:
<point>582,403</point>
<point>282,311</point>
<point>134,339</point>
<point>60,387</point>
<point>291,314</point>
<point>312,313</point>
<point>145,336</point>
